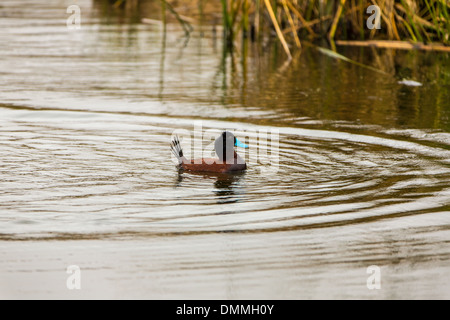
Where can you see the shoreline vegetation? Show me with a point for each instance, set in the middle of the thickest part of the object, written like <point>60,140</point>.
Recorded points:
<point>404,24</point>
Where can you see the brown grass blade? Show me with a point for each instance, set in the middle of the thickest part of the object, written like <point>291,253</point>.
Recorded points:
<point>277,28</point>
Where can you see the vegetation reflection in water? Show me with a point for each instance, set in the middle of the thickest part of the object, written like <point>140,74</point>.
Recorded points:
<point>315,85</point>
<point>363,177</point>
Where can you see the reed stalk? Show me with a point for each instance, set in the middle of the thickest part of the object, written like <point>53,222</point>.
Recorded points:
<point>277,28</point>
<point>292,24</point>
<point>407,20</point>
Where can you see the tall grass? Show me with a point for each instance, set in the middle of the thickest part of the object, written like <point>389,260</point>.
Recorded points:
<point>294,20</point>
<point>417,20</point>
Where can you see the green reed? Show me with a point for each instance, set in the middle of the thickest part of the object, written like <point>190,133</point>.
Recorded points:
<point>296,20</point>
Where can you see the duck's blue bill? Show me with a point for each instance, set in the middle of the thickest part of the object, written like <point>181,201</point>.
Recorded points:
<point>240,144</point>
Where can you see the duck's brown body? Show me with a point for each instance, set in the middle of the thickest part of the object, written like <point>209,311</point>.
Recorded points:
<point>213,165</point>
<point>228,160</point>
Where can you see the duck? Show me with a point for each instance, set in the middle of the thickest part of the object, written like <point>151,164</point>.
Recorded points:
<point>227,158</point>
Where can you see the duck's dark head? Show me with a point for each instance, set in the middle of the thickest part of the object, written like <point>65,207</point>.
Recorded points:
<point>224,146</point>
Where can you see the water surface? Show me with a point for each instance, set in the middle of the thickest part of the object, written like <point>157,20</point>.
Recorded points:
<point>86,117</point>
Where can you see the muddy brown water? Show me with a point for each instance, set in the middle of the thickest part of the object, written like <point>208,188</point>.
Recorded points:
<point>359,175</point>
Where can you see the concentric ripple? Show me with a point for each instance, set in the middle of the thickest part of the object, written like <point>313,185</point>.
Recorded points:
<point>67,174</point>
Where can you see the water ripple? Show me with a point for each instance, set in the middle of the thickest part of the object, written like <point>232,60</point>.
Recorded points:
<point>84,173</point>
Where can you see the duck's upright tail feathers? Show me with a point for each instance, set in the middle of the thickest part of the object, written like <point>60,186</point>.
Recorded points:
<point>176,149</point>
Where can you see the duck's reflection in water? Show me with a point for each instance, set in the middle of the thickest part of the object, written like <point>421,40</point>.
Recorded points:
<point>227,186</point>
